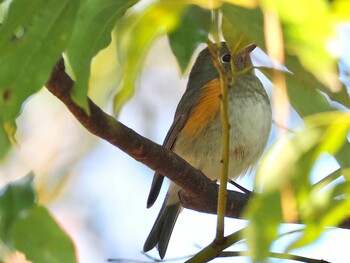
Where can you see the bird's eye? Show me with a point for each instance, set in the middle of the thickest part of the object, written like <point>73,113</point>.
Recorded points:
<point>226,58</point>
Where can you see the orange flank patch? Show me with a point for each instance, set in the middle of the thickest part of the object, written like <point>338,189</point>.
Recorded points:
<point>206,108</point>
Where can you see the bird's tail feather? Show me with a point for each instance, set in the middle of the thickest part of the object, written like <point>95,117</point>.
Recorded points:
<point>163,227</point>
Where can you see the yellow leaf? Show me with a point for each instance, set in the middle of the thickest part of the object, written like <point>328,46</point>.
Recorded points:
<point>134,36</point>
<point>308,32</point>
<point>244,3</point>
<point>213,4</point>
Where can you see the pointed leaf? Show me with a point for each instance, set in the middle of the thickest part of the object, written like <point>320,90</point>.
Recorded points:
<point>135,33</point>
<point>263,212</point>
<point>234,38</point>
<point>15,198</point>
<point>43,29</point>
<point>193,29</point>
<point>308,28</point>
<point>95,22</point>
<point>343,156</point>
<point>39,237</point>
<point>303,75</point>
<point>249,22</point>
<point>304,98</point>
<point>30,228</point>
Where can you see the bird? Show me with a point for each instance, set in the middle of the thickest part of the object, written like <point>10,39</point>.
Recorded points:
<point>196,131</point>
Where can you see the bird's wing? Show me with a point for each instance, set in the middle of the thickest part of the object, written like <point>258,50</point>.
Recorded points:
<point>169,143</point>
<point>182,114</point>
<point>208,96</point>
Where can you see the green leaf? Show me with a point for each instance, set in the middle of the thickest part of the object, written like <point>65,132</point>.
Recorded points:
<point>322,209</point>
<point>5,143</point>
<point>263,212</point>
<point>246,22</point>
<point>39,237</point>
<point>284,176</point>
<point>293,64</point>
<point>304,98</point>
<point>193,29</point>
<point>308,27</point>
<point>29,228</point>
<point>343,156</point>
<point>135,33</point>
<point>250,24</point>
<point>92,32</point>
<point>234,38</point>
<point>43,29</point>
<point>15,198</point>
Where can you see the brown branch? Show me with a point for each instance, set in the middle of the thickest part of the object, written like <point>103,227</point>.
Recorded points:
<point>199,192</point>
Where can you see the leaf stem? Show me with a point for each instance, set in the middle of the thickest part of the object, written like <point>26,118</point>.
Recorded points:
<point>329,178</point>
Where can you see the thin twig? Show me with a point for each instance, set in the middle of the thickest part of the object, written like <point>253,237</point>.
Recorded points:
<point>329,178</point>
<point>275,255</point>
<point>243,189</point>
<point>225,145</point>
<point>149,257</point>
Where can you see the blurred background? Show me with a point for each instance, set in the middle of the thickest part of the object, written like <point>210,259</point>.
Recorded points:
<point>98,193</point>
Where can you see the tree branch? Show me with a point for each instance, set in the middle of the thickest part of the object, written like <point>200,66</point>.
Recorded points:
<point>199,192</point>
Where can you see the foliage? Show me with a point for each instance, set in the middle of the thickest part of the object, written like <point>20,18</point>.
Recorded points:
<point>29,228</point>
<point>292,197</point>
<point>33,37</point>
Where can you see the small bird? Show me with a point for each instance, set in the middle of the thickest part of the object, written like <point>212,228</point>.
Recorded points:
<point>196,131</point>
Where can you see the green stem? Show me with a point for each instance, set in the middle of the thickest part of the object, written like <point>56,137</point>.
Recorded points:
<point>214,249</point>
<point>225,160</point>
<point>222,199</point>
<point>275,255</point>
<point>329,178</point>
